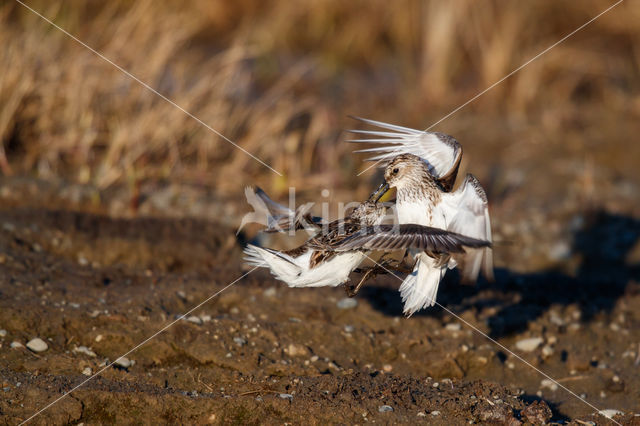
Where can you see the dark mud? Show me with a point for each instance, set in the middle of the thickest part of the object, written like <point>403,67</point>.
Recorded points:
<point>263,353</point>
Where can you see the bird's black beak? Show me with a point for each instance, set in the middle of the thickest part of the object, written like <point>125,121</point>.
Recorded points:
<point>378,193</point>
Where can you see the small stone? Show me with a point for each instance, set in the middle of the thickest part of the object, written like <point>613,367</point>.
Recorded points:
<point>435,413</point>
<point>454,326</point>
<point>295,349</point>
<point>347,303</point>
<point>560,251</point>
<point>314,358</point>
<point>610,413</point>
<point>574,326</point>
<point>550,384</point>
<point>387,368</point>
<point>194,319</point>
<point>87,371</point>
<point>84,350</point>
<point>348,329</point>
<point>547,351</point>
<point>421,414</point>
<point>435,384</point>
<point>286,396</point>
<point>385,408</point>
<point>182,295</point>
<point>123,362</point>
<point>37,345</point>
<point>99,337</point>
<point>205,318</point>
<point>239,341</point>
<point>270,292</point>
<point>3,333</point>
<point>529,345</point>
<point>15,345</point>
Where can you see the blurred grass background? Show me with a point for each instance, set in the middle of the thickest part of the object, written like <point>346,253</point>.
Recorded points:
<point>279,78</point>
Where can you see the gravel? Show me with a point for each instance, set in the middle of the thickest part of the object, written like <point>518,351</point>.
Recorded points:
<point>385,408</point>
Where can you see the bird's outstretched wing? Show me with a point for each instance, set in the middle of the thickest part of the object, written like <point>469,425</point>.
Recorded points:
<point>409,236</point>
<point>276,217</point>
<point>466,212</point>
<point>441,152</point>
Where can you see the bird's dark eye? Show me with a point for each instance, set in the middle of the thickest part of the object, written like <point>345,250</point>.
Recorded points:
<point>395,171</point>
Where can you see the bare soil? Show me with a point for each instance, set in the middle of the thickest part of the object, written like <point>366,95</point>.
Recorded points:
<point>263,353</point>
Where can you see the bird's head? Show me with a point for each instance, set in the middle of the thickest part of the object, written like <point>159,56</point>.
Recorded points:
<point>403,171</point>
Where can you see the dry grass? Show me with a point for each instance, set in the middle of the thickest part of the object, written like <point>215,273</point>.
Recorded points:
<point>279,78</point>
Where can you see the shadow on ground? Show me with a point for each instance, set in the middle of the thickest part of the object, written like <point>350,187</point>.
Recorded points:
<point>603,276</point>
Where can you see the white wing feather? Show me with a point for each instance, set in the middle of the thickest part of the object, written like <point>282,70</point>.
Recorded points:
<point>466,212</point>
<point>441,152</point>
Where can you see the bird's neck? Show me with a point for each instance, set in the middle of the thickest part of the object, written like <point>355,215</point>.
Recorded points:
<point>418,189</point>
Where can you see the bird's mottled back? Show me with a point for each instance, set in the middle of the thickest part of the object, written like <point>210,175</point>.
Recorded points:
<point>369,213</point>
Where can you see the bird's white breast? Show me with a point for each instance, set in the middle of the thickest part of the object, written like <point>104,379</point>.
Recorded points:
<point>420,213</point>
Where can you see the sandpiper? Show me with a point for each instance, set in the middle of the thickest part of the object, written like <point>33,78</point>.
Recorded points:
<point>426,198</point>
<point>421,200</point>
<point>314,263</point>
<point>328,258</point>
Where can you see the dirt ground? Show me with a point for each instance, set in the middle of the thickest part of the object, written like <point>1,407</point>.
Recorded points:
<point>93,287</point>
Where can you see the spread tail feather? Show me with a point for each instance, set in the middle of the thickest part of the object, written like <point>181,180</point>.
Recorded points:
<point>281,265</point>
<point>419,289</point>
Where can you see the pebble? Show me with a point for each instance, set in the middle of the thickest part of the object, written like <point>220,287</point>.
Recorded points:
<point>560,251</point>
<point>529,345</point>
<point>239,341</point>
<point>347,303</point>
<point>385,408</point>
<point>610,413</point>
<point>295,349</point>
<point>194,319</point>
<point>270,292</point>
<point>3,333</point>
<point>547,351</point>
<point>87,371</point>
<point>348,329</point>
<point>556,320</point>
<point>387,368</point>
<point>435,413</point>
<point>549,384</point>
<point>84,350</point>
<point>16,345</point>
<point>454,326</point>
<point>123,362</point>
<point>286,396</point>
<point>37,345</point>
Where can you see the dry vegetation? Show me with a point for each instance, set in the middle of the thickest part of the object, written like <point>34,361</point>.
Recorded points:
<point>279,78</point>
